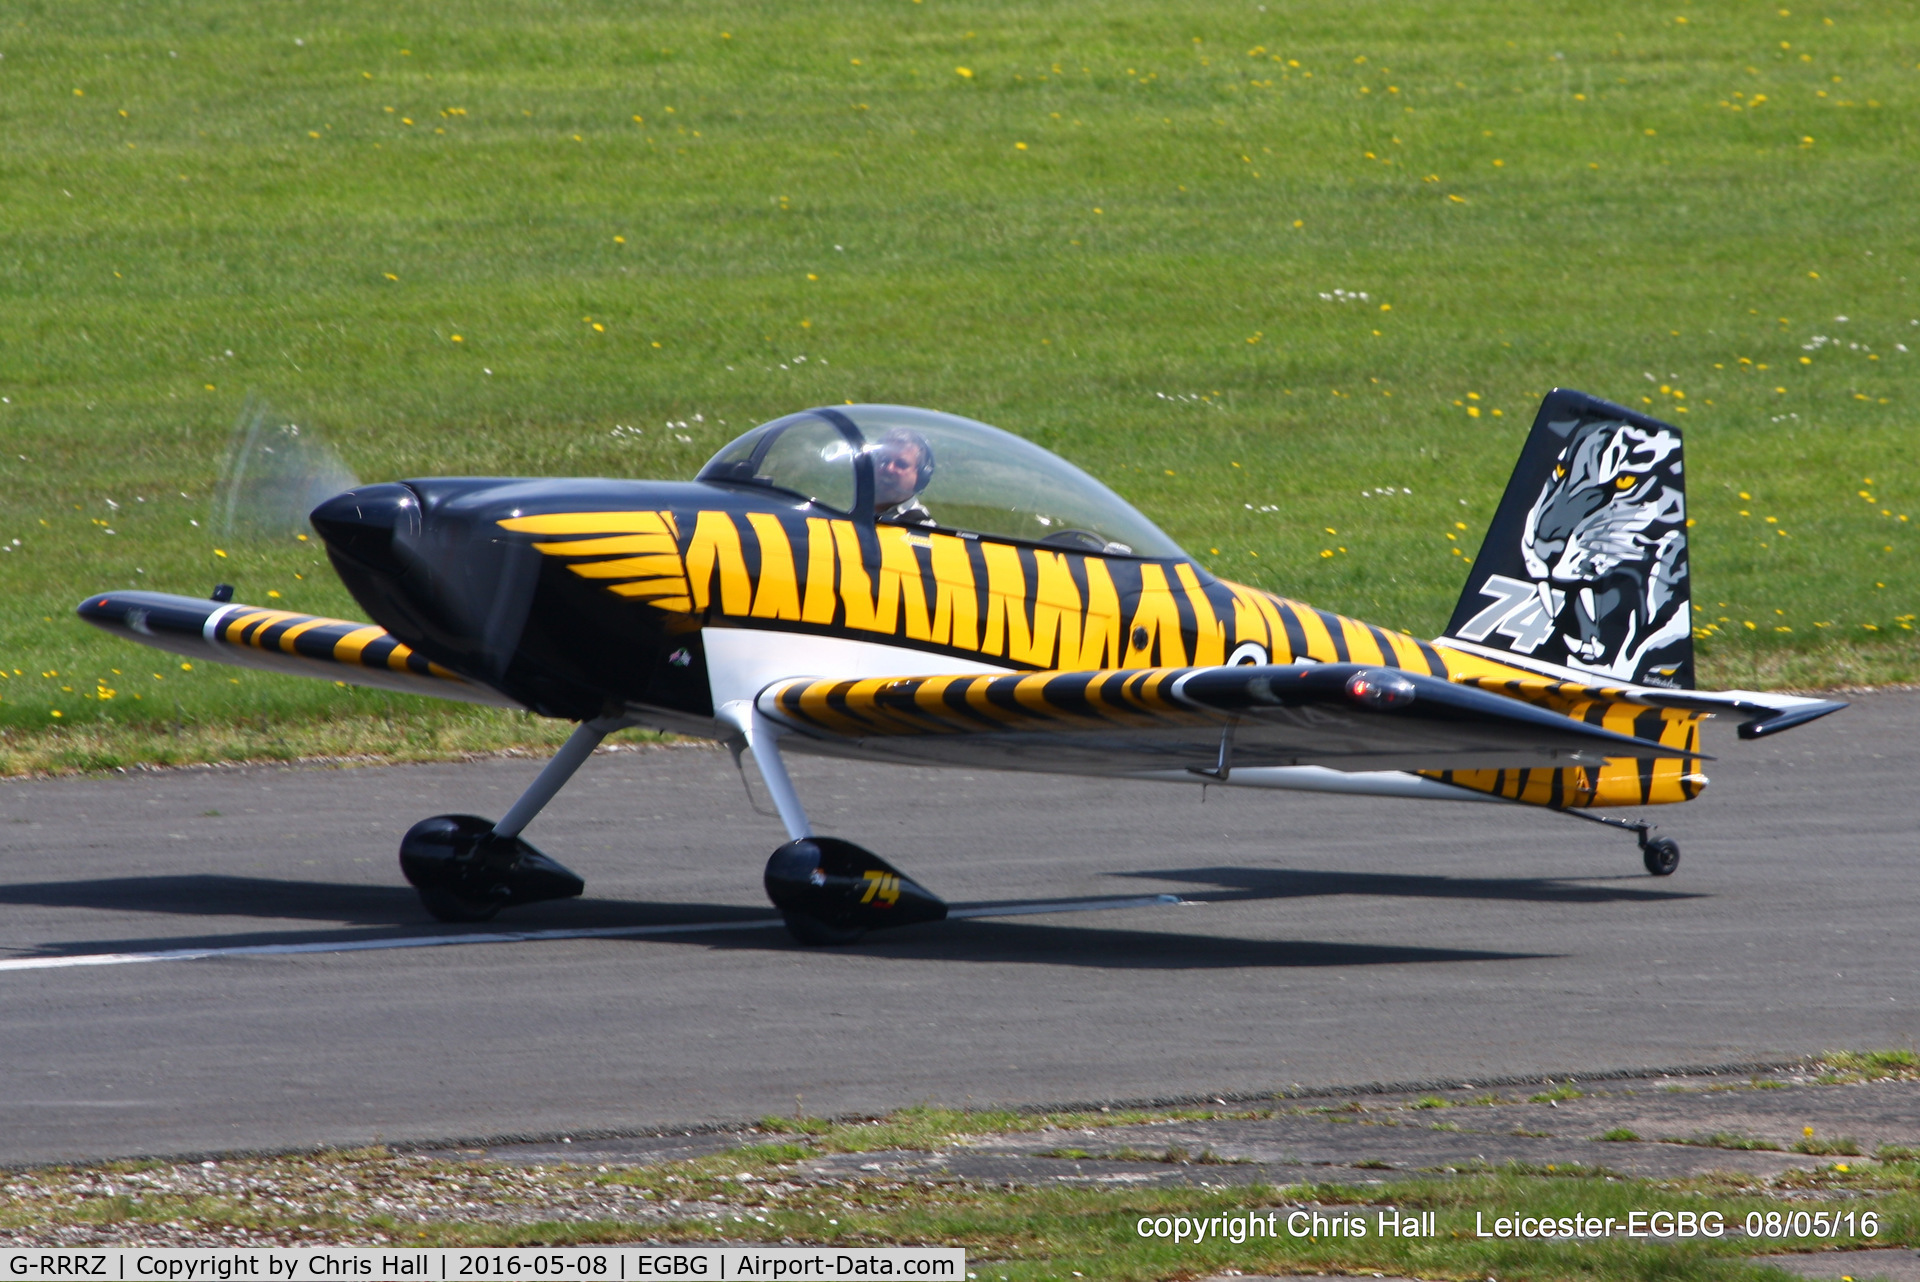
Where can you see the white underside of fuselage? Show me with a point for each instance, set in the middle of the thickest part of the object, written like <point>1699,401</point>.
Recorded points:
<point>742,662</point>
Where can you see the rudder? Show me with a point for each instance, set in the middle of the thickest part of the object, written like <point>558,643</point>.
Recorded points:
<point>1585,564</point>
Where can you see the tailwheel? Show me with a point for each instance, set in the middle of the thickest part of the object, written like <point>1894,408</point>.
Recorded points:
<point>1660,854</point>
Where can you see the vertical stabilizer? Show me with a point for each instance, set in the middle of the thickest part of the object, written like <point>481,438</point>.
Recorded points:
<point>1585,564</point>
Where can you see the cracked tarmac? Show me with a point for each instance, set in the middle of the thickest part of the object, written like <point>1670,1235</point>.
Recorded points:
<point>1685,1125</point>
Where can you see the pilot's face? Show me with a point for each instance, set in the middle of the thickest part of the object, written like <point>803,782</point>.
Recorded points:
<point>896,474</point>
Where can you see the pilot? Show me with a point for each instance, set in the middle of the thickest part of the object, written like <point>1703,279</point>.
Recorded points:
<point>902,466</point>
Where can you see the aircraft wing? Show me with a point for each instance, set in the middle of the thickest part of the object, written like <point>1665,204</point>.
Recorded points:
<point>1340,715</point>
<point>305,645</point>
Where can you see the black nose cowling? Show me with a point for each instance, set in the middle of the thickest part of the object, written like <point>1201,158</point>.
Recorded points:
<point>371,525</point>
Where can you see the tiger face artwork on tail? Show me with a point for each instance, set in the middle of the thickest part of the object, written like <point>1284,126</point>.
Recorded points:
<point>1605,547</point>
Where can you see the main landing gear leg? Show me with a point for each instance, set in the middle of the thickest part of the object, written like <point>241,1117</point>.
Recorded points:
<point>1661,855</point>
<point>467,869</point>
<point>828,891</point>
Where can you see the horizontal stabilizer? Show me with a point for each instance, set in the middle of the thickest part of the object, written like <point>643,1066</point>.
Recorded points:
<point>1207,720</point>
<point>1765,713</point>
<point>305,645</point>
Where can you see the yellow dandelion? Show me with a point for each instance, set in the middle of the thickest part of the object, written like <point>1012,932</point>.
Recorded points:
<point>619,240</point>
<point>458,339</point>
<point>598,328</point>
<point>966,73</point>
<point>1019,146</point>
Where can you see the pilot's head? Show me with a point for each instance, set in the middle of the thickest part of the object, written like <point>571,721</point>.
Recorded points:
<point>902,466</point>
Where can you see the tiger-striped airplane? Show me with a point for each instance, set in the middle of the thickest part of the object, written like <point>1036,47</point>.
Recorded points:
<point>895,584</point>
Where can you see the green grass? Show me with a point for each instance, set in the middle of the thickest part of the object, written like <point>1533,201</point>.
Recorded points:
<point>207,200</point>
<point>1019,1234</point>
<point>1728,1140</point>
<point>1838,1146</point>
<point>1869,1066</point>
<point>927,1127</point>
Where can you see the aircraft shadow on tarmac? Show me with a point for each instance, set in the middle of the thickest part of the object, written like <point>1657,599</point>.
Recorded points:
<point>350,911</point>
<point>1300,883</point>
<point>1110,948</point>
<point>355,912</point>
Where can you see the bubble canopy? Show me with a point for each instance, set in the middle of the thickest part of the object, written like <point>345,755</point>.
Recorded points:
<point>924,468</point>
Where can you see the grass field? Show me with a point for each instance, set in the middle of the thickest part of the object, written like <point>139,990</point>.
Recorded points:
<point>761,1193</point>
<point>600,238</point>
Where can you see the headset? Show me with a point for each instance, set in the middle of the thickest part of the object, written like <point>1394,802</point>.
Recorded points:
<point>907,436</point>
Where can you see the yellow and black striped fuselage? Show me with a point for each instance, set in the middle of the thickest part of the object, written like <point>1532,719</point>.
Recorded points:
<point>652,577</point>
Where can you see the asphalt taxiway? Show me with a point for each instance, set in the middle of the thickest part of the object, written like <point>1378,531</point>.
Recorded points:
<point>222,960</point>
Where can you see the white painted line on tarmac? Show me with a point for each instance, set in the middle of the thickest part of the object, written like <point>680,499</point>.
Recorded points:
<point>537,936</point>
<point>376,945</point>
